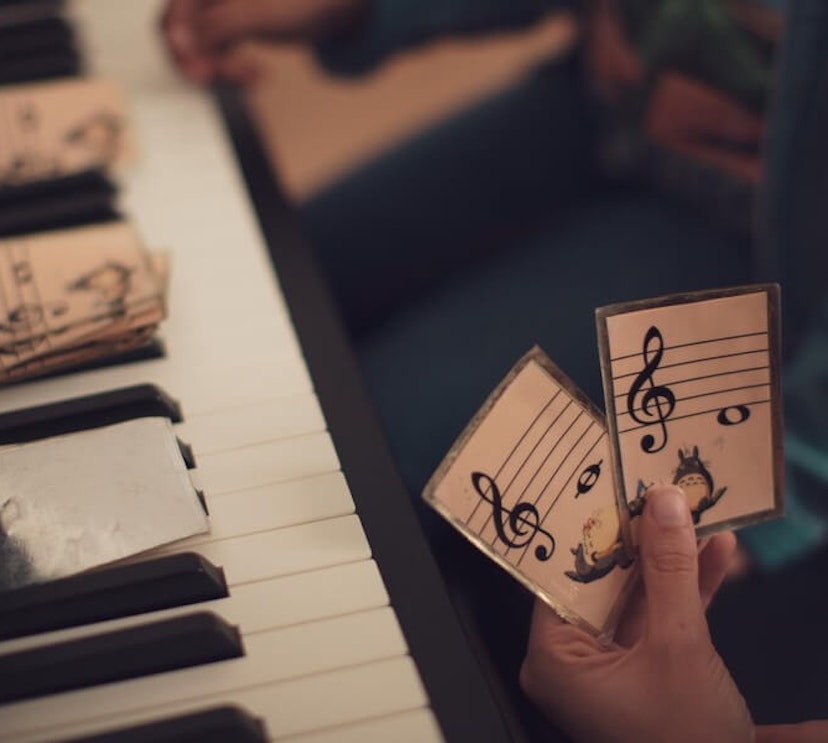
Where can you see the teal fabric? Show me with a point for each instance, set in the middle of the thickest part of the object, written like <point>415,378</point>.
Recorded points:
<point>792,248</point>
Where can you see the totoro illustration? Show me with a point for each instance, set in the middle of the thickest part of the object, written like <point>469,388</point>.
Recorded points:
<point>601,548</point>
<point>110,282</point>
<point>694,478</point>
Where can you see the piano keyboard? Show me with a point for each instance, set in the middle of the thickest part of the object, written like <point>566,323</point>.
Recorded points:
<point>325,658</point>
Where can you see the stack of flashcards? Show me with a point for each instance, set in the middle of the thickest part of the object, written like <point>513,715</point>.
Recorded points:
<point>80,500</point>
<point>541,483</point>
<point>72,297</point>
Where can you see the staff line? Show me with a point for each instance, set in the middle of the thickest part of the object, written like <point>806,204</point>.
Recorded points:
<point>704,376</point>
<point>696,343</point>
<point>697,361</point>
<point>705,394</point>
<point>517,445</point>
<point>539,467</point>
<point>575,469</point>
<point>551,478</point>
<point>694,415</point>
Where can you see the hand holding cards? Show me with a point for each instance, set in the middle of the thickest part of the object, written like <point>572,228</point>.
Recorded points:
<point>538,484</point>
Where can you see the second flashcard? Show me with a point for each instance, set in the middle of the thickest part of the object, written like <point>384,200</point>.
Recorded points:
<point>692,392</point>
<point>529,483</point>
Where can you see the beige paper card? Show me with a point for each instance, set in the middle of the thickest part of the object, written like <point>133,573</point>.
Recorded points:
<point>54,129</point>
<point>60,290</point>
<point>693,398</point>
<point>529,483</point>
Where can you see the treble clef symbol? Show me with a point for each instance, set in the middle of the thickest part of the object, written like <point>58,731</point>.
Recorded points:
<point>523,520</point>
<point>658,402</point>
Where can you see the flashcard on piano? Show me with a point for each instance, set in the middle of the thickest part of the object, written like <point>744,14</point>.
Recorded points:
<point>693,398</point>
<point>529,483</point>
<point>79,500</point>
<point>72,295</point>
<point>59,128</point>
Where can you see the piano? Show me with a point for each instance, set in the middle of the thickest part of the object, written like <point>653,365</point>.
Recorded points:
<point>347,629</point>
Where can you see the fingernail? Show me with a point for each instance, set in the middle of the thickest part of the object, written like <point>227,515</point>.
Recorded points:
<point>668,506</point>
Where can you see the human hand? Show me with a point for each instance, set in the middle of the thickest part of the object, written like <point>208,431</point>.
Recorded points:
<point>682,114</point>
<point>694,119</point>
<point>203,36</point>
<point>663,680</point>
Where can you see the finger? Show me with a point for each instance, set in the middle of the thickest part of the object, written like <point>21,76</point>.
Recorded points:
<point>238,67</point>
<point>552,646</point>
<point>714,561</point>
<point>179,23</point>
<point>815,731</point>
<point>634,620</point>
<point>746,167</point>
<point>226,23</point>
<point>544,620</point>
<point>669,567</point>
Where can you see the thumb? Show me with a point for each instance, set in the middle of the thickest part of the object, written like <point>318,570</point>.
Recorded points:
<point>669,565</point>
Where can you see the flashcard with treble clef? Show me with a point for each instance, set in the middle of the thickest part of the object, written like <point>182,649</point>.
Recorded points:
<point>692,391</point>
<point>529,483</point>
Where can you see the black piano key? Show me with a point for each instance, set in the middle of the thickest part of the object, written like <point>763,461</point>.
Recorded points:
<point>18,12</point>
<point>90,411</point>
<point>19,194</point>
<point>174,580</point>
<point>186,454</point>
<point>37,36</point>
<point>202,500</point>
<point>218,725</point>
<point>35,67</point>
<point>154,348</point>
<point>182,642</point>
<point>62,202</point>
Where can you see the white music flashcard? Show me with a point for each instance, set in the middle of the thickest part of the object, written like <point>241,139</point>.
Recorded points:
<point>692,389</point>
<point>529,483</point>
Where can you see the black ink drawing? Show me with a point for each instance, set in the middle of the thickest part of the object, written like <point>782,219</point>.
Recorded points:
<point>601,548</point>
<point>25,167</point>
<point>516,527</point>
<point>99,136</point>
<point>694,478</point>
<point>656,403</point>
<point>588,478</point>
<point>111,282</point>
<point>24,324</point>
<point>27,163</point>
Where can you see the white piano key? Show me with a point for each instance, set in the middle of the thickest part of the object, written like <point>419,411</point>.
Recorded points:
<point>230,345</point>
<point>199,388</point>
<point>263,464</point>
<point>416,726</point>
<point>276,506</point>
<point>295,549</point>
<point>273,658</point>
<point>243,425</point>
<point>254,607</point>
